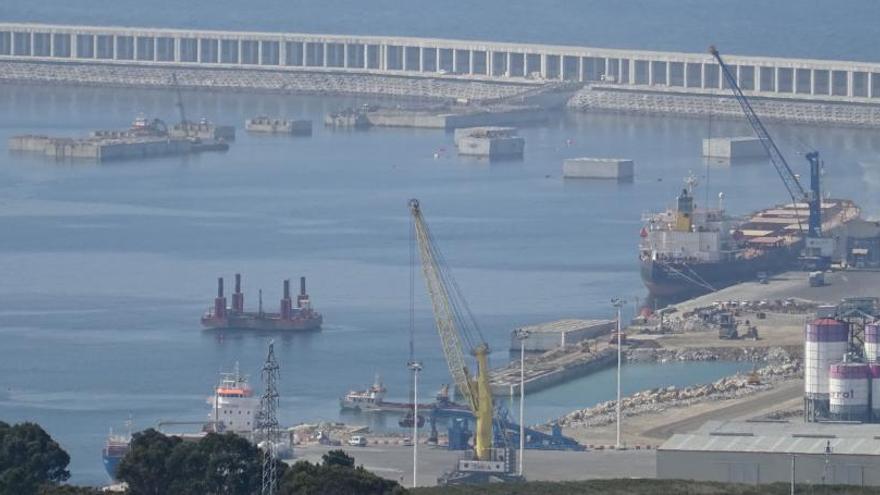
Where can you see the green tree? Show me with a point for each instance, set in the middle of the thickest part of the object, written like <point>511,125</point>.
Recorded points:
<point>338,458</point>
<point>144,467</point>
<point>224,464</point>
<point>29,458</point>
<point>67,490</point>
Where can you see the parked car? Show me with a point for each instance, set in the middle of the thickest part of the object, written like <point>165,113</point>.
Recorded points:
<point>357,441</point>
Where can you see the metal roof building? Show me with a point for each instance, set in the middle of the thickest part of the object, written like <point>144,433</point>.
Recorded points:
<point>765,452</point>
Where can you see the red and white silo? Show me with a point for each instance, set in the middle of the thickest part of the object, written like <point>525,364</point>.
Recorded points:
<point>849,389</point>
<point>874,373</point>
<point>825,342</point>
<point>872,342</point>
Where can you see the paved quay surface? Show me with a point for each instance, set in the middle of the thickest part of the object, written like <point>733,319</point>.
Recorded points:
<point>395,462</point>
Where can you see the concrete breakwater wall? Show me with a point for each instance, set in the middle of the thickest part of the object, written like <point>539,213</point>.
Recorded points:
<point>607,99</point>
<point>547,378</point>
<point>324,83</point>
<point>602,98</point>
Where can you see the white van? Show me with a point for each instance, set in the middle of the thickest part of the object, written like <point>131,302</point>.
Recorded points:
<point>357,441</point>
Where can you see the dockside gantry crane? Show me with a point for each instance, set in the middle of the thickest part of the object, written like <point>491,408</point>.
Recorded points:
<point>457,328</point>
<point>815,246</point>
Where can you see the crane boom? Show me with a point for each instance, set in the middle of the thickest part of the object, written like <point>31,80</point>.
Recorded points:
<point>451,325</point>
<point>795,190</point>
<point>179,104</point>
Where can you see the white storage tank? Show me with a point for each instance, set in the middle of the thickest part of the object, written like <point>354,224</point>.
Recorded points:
<point>874,373</point>
<point>825,342</point>
<point>872,342</point>
<point>849,386</point>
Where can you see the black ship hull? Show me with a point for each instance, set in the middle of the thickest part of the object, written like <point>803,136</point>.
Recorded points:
<point>676,280</point>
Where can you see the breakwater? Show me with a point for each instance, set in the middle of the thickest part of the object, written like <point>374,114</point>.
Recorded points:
<point>799,90</point>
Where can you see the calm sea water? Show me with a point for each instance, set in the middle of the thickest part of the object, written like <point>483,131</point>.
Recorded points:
<point>106,268</point>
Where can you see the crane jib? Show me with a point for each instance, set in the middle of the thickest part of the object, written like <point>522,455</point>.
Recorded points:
<point>455,323</point>
<point>789,179</point>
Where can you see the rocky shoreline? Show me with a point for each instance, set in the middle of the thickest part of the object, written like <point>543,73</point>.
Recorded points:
<point>750,354</point>
<point>781,368</point>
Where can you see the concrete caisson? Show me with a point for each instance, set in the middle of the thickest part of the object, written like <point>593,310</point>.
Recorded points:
<point>598,168</point>
<point>733,148</point>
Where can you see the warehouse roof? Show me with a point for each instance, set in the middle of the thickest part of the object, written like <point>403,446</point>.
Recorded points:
<point>780,437</point>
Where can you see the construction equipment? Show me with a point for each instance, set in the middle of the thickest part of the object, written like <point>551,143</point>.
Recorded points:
<point>816,254</point>
<point>184,124</point>
<point>457,328</point>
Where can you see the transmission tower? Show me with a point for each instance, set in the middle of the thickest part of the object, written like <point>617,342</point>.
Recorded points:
<point>268,425</point>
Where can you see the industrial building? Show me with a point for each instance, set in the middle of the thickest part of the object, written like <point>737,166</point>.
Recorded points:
<point>766,452</point>
<point>860,243</point>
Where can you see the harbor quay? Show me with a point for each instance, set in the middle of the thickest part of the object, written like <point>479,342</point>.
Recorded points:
<point>801,90</point>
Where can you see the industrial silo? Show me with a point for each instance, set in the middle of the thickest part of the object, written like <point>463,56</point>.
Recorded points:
<point>849,386</point>
<point>874,373</point>
<point>872,342</point>
<point>825,342</point>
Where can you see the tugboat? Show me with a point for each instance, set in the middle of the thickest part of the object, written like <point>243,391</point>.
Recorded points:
<point>371,399</point>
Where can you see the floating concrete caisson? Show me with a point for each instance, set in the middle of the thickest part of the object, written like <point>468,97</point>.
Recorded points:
<point>732,148</point>
<point>598,168</point>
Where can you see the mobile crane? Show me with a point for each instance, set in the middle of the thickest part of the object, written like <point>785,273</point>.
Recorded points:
<point>457,328</point>
<point>817,252</point>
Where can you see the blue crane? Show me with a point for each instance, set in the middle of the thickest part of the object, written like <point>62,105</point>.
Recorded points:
<point>795,190</point>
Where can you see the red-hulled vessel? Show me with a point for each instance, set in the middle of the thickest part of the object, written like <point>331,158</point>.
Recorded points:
<point>289,318</point>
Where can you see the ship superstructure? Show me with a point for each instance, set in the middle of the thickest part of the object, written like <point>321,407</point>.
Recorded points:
<point>115,448</point>
<point>233,405</point>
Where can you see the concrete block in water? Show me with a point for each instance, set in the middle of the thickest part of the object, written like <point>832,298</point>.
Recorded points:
<point>491,142</point>
<point>548,336</point>
<point>598,168</point>
<point>732,148</point>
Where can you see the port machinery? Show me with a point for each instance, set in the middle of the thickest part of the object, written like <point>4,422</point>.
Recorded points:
<point>457,327</point>
<point>816,253</point>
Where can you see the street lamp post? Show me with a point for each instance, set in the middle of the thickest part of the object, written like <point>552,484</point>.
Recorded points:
<point>416,367</point>
<point>618,303</point>
<point>522,335</point>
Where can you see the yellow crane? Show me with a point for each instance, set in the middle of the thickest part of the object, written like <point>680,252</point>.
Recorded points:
<point>457,329</point>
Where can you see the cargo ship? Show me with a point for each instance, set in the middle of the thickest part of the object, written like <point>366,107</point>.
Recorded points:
<point>289,318</point>
<point>234,408</point>
<point>687,251</point>
<point>115,448</point>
